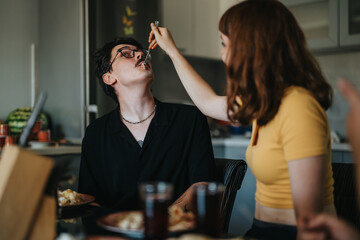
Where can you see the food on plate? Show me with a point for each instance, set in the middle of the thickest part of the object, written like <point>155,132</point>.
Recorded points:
<point>68,197</point>
<point>131,221</point>
<point>178,220</point>
<point>196,236</point>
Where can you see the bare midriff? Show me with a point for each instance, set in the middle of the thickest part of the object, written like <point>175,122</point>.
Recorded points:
<point>283,216</point>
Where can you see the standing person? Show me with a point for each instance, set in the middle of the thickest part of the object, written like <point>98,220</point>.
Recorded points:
<point>274,83</point>
<point>142,139</point>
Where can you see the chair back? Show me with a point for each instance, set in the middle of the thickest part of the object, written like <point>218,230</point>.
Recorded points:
<point>346,202</point>
<point>231,173</point>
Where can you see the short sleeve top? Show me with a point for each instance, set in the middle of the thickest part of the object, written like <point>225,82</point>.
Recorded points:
<point>300,129</point>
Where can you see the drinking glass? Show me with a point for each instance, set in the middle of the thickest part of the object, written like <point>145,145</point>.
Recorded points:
<point>155,199</point>
<point>207,208</point>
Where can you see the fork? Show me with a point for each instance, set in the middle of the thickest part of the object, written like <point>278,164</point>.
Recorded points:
<point>147,58</point>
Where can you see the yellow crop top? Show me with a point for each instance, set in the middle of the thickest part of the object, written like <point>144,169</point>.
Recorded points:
<point>299,129</point>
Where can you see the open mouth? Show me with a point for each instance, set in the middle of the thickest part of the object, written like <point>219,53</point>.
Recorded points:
<point>141,61</point>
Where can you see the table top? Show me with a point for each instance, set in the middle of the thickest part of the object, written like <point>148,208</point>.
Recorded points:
<point>82,221</point>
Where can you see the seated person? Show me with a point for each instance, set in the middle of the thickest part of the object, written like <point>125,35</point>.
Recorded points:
<point>142,139</point>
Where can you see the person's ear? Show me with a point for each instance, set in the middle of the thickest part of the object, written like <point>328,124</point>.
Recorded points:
<point>108,79</point>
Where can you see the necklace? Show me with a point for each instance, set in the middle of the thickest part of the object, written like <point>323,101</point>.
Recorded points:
<point>152,113</point>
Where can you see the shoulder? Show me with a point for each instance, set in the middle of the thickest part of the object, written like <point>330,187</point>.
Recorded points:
<point>100,124</point>
<point>299,107</point>
<point>299,100</point>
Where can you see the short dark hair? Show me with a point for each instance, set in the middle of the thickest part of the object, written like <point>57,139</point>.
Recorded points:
<point>102,62</point>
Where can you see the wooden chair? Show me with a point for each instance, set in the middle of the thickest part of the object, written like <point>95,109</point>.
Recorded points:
<point>231,173</point>
<point>346,202</point>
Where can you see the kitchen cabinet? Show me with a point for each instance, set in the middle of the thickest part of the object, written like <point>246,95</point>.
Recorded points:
<point>194,25</point>
<point>350,23</point>
<point>318,19</point>
<point>178,17</point>
<point>328,24</point>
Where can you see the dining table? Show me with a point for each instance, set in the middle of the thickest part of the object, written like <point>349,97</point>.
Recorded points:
<point>82,222</point>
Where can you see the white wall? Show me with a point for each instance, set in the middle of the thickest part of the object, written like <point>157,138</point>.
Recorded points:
<point>19,29</point>
<point>56,27</point>
<point>61,65</point>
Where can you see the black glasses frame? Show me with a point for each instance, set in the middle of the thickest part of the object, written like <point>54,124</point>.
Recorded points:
<point>120,51</point>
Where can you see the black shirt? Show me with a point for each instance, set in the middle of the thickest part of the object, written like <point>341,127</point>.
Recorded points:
<point>177,148</point>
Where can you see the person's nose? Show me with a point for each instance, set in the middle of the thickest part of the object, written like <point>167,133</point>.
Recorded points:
<point>140,54</point>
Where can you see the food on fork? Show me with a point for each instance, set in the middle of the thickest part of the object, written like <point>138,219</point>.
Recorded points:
<point>68,197</point>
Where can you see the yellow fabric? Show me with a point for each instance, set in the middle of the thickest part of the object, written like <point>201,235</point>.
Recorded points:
<point>300,129</point>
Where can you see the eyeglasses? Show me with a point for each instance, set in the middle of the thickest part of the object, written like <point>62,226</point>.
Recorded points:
<point>126,52</point>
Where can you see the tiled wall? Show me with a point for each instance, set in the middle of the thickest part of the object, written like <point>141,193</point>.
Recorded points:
<point>167,86</point>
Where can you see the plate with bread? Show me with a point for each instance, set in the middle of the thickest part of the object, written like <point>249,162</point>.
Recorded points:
<point>131,223</point>
<point>69,198</point>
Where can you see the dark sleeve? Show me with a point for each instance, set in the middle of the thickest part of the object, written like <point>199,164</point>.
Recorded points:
<point>201,157</point>
<point>86,180</point>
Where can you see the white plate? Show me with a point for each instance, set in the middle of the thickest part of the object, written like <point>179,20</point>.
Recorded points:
<point>36,144</point>
<point>109,222</point>
<point>85,199</point>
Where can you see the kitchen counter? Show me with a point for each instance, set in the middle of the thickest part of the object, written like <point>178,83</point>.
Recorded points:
<point>56,150</point>
<point>242,141</point>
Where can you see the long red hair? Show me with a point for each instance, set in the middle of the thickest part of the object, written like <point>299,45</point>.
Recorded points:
<point>268,53</point>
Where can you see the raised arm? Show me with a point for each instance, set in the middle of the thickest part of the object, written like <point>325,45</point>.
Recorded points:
<point>204,97</point>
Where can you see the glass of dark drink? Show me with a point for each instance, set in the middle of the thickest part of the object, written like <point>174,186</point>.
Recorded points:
<point>155,200</point>
<point>207,200</point>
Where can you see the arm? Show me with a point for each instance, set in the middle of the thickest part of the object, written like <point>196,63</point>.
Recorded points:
<point>332,228</point>
<point>307,177</point>
<point>329,227</point>
<point>198,89</point>
<point>86,183</point>
<point>185,200</point>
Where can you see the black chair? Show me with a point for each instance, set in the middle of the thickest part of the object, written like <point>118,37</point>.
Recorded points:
<point>231,173</point>
<point>346,202</point>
